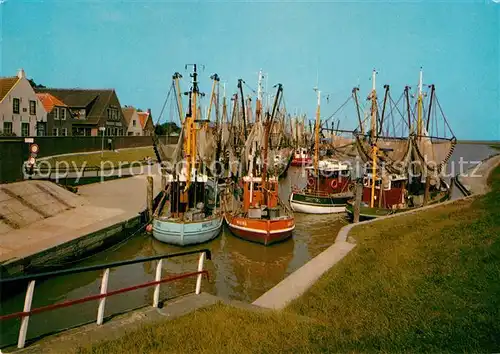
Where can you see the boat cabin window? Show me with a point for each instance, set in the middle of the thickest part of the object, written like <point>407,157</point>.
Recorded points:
<point>256,186</point>
<point>367,182</point>
<point>344,173</point>
<point>397,184</point>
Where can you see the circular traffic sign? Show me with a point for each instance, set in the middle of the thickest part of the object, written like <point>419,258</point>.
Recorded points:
<point>31,161</point>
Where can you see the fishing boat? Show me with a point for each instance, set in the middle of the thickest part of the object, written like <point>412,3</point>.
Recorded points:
<point>388,189</point>
<point>188,210</point>
<point>253,211</point>
<point>329,186</point>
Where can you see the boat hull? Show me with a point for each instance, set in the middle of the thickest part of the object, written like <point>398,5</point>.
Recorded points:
<point>262,231</point>
<point>312,204</point>
<point>186,233</point>
<point>367,213</point>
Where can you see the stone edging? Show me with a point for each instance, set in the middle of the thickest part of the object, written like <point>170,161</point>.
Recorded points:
<point>303,278</point>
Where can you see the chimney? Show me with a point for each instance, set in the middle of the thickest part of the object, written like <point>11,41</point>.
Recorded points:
<point>149,112</point>
<point>21,74</point>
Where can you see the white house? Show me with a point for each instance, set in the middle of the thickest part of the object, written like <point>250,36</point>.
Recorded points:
<point>21,112</point>
<point>132,119</point>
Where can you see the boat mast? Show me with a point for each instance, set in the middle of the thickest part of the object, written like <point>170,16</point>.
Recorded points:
<point>355,95</point>
<point>176,78</point>
<point>258,104</point>
<point>240,86</point>
<point>316,134</point>
<point>215,78</point>
<point>267,128</point>
<point>419,107</point>
<point>190,142</point>
<point>433,88</point>
<point>372,137</point>
<point>224,105</point>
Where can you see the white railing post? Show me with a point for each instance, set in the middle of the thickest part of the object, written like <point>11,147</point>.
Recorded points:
<point>102,302</point>
<point>156,295</point>
<point>27,307</point>
<point>200,268</point>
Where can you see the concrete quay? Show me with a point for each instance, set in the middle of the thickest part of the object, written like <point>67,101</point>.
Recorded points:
<point>97,216</point>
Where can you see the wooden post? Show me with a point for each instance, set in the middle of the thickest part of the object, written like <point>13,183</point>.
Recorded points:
<point>426,192</point>
<point>150,196</point>
<point>163,180</point>
<point>357,202</point>
<point>452,185</point>
<point>380,191</point>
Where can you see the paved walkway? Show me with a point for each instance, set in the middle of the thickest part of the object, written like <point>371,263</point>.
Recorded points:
<point>105,204</point>
<point>475,179</point>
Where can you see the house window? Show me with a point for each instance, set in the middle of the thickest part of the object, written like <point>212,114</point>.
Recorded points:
<point>56,113</point>
<point>15,106</point>
<point>33,108</point>
<point>64,132</point>
<point>7,128</point>
<point>133,123</point>
<point>41,127</point>
<point>55,132</point>
<point>25,129</point>
<point>63,114</point>
<point>112,114</point>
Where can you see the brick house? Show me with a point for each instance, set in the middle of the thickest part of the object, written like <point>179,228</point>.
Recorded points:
<point>90,109</point>
<point>21,112</point>
<point>59,116</point>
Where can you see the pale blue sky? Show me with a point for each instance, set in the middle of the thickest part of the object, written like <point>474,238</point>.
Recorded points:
<point>135,46</point>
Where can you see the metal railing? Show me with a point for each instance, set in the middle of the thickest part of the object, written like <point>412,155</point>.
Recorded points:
<point>104,293</point>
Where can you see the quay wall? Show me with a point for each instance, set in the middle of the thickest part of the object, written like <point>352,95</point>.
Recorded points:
<point>14,151</point>
<point>72,251</point>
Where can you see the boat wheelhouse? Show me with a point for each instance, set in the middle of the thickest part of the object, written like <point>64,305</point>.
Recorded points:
<point>188,217</point>
<point>301,157</point>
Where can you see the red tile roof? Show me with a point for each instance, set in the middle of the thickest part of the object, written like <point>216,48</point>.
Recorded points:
<point>49,101</point>
<point>6,84</point>
<point>143,118</point>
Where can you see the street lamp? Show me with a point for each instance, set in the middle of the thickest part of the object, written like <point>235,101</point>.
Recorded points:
<point>102,129</point>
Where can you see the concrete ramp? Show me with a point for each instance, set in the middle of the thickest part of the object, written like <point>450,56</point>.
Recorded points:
<point>25,203</point>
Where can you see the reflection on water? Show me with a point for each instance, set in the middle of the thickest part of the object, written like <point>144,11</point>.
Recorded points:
<point>238,270</point>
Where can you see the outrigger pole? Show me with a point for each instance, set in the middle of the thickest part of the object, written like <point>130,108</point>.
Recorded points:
<point>372,133</point>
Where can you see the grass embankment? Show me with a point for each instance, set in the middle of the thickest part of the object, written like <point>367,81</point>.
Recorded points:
<point>427,282</point>
<point>124,156</point>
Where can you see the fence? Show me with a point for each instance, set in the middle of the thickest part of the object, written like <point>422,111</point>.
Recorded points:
<point>104,293</point>
<point>14,151</point>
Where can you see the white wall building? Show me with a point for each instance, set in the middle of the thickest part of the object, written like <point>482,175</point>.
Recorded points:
<point>21,112</point>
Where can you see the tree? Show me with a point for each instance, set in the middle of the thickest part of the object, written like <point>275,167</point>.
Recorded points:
<point>167,128</point>
<point>34,85</point>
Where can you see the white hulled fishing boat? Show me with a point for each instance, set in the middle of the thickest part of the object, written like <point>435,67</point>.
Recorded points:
<point>188,211</point>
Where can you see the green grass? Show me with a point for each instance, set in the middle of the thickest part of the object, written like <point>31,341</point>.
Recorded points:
<point>94,159</point>
<point>427,282</point>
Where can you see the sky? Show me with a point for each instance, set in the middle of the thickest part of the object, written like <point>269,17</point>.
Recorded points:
<point>136,46</point>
